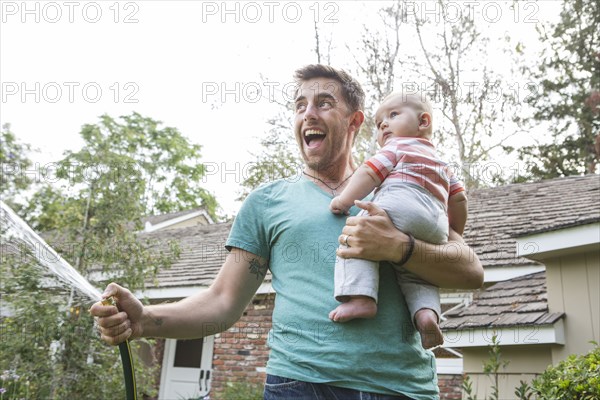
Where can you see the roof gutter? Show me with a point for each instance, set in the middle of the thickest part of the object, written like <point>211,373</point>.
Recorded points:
<point>506,336</point>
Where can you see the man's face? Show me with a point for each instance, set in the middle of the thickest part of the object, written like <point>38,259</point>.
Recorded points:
<point>396,118</point>
<point>322,124</point>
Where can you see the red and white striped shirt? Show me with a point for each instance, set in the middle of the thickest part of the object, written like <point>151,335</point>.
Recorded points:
<point>415,160</point>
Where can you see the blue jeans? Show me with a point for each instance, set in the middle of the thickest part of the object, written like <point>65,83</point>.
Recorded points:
<point>279,388</point>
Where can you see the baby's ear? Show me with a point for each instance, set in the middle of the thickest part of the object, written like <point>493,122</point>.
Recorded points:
<point>425,120</point>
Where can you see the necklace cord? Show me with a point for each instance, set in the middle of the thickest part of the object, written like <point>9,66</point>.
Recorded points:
<point>333,189</point>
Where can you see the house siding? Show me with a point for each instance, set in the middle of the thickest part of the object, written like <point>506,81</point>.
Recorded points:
<point>199,220</point>
<point>525,363</point>
<point>574,288</point>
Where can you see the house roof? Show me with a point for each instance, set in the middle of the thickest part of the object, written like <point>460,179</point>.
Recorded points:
<point>498,215</point>
<point>518,301</point>
<point>202,254</point>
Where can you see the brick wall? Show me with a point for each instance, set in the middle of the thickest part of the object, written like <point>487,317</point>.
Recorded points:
<point>450,387</point>
<point>240,353</point>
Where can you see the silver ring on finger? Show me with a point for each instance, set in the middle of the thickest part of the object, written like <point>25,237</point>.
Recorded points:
<point>346,240</point>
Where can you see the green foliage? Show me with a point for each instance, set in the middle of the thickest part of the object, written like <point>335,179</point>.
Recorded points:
<point>13,159</point>
<point>49,350</point>
<point>159,165</point>
<point>523,391</point>
<point>243,391</point>
<point>125,170</point>
<point>568,95</point>
<point>467,387</point>
<point>576,378</point>
<point>493,365</point>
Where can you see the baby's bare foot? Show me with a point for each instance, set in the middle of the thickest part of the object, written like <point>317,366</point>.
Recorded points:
<point>356,307</point>
<point>427,325</point>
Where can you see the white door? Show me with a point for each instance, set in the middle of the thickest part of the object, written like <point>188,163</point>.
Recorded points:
<point>187,369</point>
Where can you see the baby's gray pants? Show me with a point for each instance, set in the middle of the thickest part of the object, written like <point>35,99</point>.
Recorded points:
<point>413,210</point>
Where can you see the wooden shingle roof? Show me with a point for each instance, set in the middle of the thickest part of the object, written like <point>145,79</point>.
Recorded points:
<point>498,215</point>
<point>518,301</point>
<point>202,254</point>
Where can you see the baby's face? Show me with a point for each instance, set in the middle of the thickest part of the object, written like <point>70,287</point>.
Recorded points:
<point>396,118</point>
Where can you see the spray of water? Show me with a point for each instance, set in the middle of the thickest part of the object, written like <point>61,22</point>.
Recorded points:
<point>18,231</point>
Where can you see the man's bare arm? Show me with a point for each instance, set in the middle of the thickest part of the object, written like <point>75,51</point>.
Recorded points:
<point>451,265</point>
<point>205,313</point>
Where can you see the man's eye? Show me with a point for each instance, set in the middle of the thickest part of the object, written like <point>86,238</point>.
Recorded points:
<point>325,104</point>
<point>300,106</point>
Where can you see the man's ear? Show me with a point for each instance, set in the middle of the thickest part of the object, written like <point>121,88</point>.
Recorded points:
<point>356,120</point>
<point>425,120</point>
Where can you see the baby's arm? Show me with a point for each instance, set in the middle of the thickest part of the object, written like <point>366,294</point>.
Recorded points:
<point>457,212</point>
<point>360,185</point>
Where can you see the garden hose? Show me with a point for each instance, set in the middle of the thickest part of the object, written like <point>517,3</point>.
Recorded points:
<point>128,372</point>
<point>126,360</point>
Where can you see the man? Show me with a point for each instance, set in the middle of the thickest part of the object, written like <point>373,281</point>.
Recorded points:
<point>287,227</point>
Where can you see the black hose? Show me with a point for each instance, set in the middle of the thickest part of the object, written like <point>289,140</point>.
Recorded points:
<point>126,360</point>
<point>128,372</point>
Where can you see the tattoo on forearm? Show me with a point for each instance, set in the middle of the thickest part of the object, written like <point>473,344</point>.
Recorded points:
<point>258,269</point>
<point>157,321</point>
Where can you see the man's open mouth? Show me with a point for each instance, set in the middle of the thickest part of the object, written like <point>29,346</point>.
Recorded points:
<point>313,138</point>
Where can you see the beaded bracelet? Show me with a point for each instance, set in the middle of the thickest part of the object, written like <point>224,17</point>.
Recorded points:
<point>411,248</point>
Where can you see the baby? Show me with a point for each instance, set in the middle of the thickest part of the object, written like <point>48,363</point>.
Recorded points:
<point>421,196</point>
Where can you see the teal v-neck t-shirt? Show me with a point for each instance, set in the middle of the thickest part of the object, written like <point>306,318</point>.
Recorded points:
<point>289,224</point>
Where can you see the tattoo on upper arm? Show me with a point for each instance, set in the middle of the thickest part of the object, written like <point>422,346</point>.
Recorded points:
<point>258,269</point>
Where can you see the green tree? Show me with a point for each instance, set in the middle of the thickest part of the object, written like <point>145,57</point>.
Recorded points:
<point>50,350</point>
<point>163,165</point>
<point>91,214</point>
<point>14,160</point>
<point>567,99</point>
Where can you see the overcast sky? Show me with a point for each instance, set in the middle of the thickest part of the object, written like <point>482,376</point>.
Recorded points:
<point>193,65</point>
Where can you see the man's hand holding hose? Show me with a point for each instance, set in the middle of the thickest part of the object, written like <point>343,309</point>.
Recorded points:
<point>122,323</point>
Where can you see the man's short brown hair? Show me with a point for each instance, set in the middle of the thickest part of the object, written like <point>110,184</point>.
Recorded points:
<point>351,90</point>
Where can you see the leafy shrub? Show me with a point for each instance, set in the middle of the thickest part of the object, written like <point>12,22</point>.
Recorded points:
<point>576,378</point>
<point>243,391</point>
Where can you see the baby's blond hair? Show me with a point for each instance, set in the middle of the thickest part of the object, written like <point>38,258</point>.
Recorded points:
<point>418,100</point>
